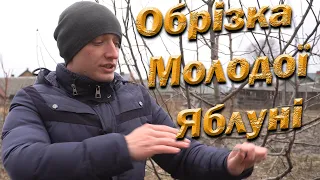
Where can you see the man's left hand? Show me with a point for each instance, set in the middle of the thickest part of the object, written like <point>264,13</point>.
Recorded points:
<point>244,156</point>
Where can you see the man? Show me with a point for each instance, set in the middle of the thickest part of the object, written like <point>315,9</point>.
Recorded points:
<point>83,121</point>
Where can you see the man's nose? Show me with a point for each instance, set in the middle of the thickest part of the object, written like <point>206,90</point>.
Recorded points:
<point>111,51</point>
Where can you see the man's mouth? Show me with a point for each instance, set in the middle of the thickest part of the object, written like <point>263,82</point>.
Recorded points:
<point>108,66</point>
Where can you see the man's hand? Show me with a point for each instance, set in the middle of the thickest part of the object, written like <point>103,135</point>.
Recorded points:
<point>148,140</point>
<point>244,156</point>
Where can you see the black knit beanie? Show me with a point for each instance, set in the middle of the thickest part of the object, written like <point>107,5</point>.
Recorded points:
<point>82,22</point>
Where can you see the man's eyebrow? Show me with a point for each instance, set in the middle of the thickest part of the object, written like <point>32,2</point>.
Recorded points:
<point>96,39</point>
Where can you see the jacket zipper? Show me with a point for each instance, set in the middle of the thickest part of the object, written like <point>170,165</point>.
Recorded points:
<point>74,89</point>
<point>98,93</point>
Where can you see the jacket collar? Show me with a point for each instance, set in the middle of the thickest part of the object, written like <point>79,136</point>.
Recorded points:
<point>84,88</point>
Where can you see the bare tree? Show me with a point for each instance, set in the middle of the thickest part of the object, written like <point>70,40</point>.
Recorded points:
<point>5,104</point>
<point>285,146</point>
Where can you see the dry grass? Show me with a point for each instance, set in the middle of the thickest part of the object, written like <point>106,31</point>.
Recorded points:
<point>3,174</point>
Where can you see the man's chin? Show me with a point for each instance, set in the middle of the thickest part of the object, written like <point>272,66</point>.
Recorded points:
<point>106,78</point>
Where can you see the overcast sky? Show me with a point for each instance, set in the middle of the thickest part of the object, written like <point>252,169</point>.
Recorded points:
<point>21,46</point>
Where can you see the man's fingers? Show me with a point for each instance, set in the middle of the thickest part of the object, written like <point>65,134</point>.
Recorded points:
<point>148,140</point>
<point>245,153</point>
<point>163,128</point>
<point>159,131</point>
<point>261,153</point>
<point>250,151</point>
<point>171,142</point>
<point>243,156</point>
<point>162,134</point>
<point>163,149</point>
<point>238,155</point>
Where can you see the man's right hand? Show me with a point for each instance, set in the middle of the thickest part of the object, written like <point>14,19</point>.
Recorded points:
<point>148,140</point>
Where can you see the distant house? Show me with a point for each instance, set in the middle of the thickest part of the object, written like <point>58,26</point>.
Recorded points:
<point>26,73</point>
<point>257,97</point>
<point>262,96</point>
<point>10,86</point>
<point>126,77</point>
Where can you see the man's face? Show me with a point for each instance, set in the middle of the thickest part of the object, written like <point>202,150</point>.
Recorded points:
<point>98,59</point>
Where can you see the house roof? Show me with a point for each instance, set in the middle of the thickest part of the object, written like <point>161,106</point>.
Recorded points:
<point>198,89</point>
<point>313,76</point>
<point>288,86</point>
<point>27,72</point>
<point>14,84</point>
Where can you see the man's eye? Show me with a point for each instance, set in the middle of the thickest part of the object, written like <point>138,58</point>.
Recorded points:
<point>117,44</point>
<point>97,43</point>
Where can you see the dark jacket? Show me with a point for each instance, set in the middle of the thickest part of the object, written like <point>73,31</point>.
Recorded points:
<point>59,129</point>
